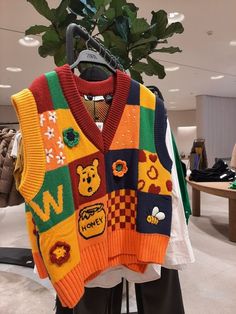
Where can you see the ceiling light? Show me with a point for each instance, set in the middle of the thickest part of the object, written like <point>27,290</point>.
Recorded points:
<point>29,41</point>
<point>232,43</point>
<point>173,90</point>
<point>172,102</point>
<point>171,69</point>
<point>13,69</point>
<point>175,17</point>
<point>218,77</point>
<point>5,86</point>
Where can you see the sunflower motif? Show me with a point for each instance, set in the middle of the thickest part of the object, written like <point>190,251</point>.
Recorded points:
<point>119,168</point>
<point>59,253</point>
<point>70,137</point>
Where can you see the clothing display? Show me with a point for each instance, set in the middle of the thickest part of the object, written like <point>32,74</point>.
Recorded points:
<point>77,155</point>
<point>198,156</point>
<point>220,172</point>
<point>9,196</point>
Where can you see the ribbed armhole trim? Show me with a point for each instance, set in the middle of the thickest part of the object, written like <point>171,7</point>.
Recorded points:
<point>34,156</point>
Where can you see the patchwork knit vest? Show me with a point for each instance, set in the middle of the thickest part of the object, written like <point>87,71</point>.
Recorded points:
<point>94,199</point>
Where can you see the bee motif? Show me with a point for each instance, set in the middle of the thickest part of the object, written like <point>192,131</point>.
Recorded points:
<point>155,216</point>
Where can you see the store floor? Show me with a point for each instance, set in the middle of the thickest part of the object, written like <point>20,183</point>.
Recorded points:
<point>208,285</point>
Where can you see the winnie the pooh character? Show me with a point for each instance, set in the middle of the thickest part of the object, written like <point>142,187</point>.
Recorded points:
<point>89,181</point>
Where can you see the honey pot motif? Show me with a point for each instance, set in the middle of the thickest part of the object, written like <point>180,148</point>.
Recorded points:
<point>92,221</point>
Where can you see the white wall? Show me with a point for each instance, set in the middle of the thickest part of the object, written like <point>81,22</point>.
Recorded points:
<point>7,114</point>
<point>184,136</point>
<point>216,122</point>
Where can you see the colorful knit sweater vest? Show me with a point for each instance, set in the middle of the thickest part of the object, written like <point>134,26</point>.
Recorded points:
<point>94,199</point>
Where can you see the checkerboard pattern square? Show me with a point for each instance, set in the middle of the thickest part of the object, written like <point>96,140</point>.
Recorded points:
<point>122,209</point>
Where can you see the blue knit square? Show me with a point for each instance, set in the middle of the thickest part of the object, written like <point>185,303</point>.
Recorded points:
<point>154,213</point>
<point>130,179</point>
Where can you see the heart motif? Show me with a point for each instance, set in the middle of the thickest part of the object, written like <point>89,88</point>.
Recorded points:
<point>153,157</point>
<point>141,184</point>
<point>154,189</point>
<point>169,185</point>
<point>142,156</point>
<point>152,173</point>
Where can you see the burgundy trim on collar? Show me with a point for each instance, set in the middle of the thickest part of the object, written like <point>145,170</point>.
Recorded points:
<point>73,87</point>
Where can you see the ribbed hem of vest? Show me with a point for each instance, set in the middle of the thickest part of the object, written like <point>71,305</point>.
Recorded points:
<point>41,269</point>
<point>94,259</point>
<point>129,261</point>
<point>149,248</point>
<point>34,159</point>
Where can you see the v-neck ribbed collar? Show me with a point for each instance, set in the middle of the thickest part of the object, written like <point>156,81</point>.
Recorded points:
<point>73,87</point>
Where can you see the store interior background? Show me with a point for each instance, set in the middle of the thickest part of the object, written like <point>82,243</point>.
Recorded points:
<point>203,107</point>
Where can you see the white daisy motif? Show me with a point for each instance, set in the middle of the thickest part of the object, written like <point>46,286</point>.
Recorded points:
<point>60,158</point>
<point>50,133</point>
<point>52,116</point>
<point>42,119</point>
<point>60,143</point>
<point>49,155</point>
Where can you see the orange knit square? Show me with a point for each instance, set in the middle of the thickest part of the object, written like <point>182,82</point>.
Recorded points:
<point>124,136</point>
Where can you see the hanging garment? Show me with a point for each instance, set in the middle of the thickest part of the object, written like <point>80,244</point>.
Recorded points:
<point>182,181</point>
<point>66,189</point>
<point>179,251</point>
<point>9,196</point>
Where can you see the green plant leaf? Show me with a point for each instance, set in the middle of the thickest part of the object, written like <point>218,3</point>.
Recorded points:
<point>159,23</point>
<point>143,67</point>
<point>99,12</point>
<point>122,27</point>
<point>111,40</point>
<point>139,52</point>
<point>174,28</point>
<point>131,14</point>
<point>60,56</point>
<point>110,14</point>
<point>61,11</point>
<point>70,18</point>
<point>101,3</point>
<point>157,68</point>
<point>117,5</point>
<point>36,29</point>
<point>139,26</point>
<point>143,41</point>
<point>136,75</point>
<point>168,50</point>
<point>50,36</point>
<point>41,6</point>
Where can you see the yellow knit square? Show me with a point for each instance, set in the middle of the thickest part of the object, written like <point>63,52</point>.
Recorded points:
<point>132,206</point>
<point>122,205</point>
<point>122,192</point>
<point>147,98</point>
<point>113,221</point>
<point>132,192</point>
<point>63,232</point>
<point>117,199</point>
<point>84,146</point>
<point>133,220</point>
<point>122,218</point>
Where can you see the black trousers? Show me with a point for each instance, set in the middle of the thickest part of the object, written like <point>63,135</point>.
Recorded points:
<point>162,296</point>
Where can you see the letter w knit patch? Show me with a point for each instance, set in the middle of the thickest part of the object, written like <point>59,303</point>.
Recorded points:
<point>53,203</point>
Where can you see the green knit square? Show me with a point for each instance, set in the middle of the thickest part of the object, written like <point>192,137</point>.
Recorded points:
<point>58,99</point>
<point>147,118</point>
<point>54,203</point>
